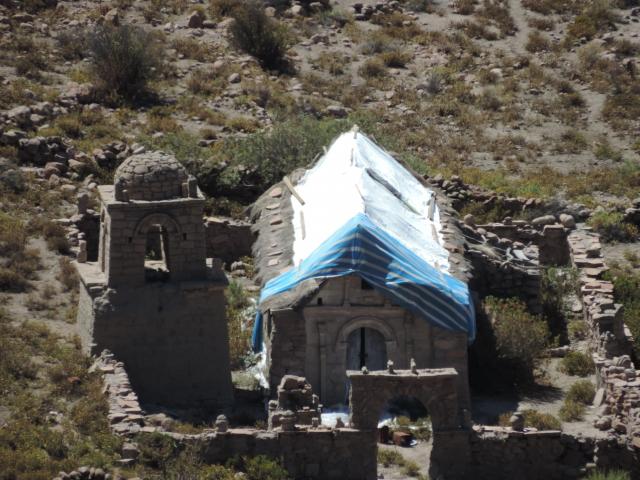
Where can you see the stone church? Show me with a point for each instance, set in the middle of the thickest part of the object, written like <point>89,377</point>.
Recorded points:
<point>360,264</point>
<point>152,297</point>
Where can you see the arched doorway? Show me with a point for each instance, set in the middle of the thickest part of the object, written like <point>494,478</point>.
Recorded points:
<point>404,438</point>
<point>366,347</point>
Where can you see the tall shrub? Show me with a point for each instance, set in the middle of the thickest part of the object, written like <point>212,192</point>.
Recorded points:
<point>124,59</point>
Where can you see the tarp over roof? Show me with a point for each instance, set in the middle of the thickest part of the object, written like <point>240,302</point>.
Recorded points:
<point>363,213</point>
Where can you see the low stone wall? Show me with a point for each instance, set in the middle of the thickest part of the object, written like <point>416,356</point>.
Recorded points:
<point>307,452</point>
<point>227,238</point>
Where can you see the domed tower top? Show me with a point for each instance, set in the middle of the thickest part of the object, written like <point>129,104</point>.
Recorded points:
<point>151,176</point>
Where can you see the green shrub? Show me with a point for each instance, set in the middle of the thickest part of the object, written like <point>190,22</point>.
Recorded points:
<point>260,36</point>
<point>612,227</point>
<point>583,391</point>
<point>239,333</point>
<point>577,363</point>
<point>219,9</point>
<point>389,457</point>
<point>578,329</point>
<point>537,42</point>
<point>610,475</point>
<point>261,467</point>
<point>395,58</point>
<point>533,419</point>
<point>626,287</point>
<point>124,60</point>
<point>373,68</point>
<point>56,237</point>
<point>571,411</point>
<point>520,336</point>
<point>597,17</point>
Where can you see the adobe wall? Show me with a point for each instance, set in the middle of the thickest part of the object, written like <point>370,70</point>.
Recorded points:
<point>165,333</point>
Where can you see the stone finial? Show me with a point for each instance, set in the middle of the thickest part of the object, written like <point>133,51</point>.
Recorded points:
<point>192,187</point>
<point>120,192</point>
<point>517,421</point>
<point>365,370</point>
<point>339,423</point>
<point>222,424</point>
<point>390,366</point>
<point>83,203</point>
<point>315,422</point>
<point>414,367</point>
<point>82,253</point>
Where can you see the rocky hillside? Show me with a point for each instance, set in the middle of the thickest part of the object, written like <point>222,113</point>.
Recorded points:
<point>529,98</point>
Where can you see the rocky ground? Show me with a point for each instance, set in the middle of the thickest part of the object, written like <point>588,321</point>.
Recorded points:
<point>523,97</point>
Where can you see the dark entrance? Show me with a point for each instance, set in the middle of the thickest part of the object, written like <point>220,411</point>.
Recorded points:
<point>366,347</point>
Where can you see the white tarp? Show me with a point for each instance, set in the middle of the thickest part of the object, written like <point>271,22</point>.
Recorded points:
<point>355,176</point>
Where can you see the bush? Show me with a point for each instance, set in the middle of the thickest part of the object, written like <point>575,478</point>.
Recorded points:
<point>255,33</point>
<point>395,58</point>
<point>239,332</point>
<point>520,336</point>
<point>537,42</point>
<point>56,237</point>
<point>626,288</point>
<point>373,68</point>
<point>610,475</point>
<point>583,391</point>
<point>533,419</point>
<point>124,60</point>
<point>72,43</point>
<point>571,411</point>
<point>388,457</point>
<point>612,227</point>
<point>577,363</point>
<point>597,17</point>
<point>578,329</point>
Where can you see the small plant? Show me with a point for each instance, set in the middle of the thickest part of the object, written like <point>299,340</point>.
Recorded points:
<point>583,391</point>
<point>124,60</point>
<point>411,468</point>
<point>577,363</point>
<point>533,419</point>
<point>389,457</point>
<point>609,475</point>
<point>538,42</point>
<point>578,329</point>
<point>260,36</point>
<point>373,68</point>
<point>612,227</point>
<point>571,411</point>
<point>395,58</point>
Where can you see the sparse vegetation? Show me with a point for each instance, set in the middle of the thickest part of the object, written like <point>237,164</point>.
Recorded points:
<point>582,391</point>
<point>571,411</point>
<point>612,227</point>
<point>124,60</point>
<point>533,419</point>
<point>520,336</point>
<point>577,363</point>
<point>255,33</point>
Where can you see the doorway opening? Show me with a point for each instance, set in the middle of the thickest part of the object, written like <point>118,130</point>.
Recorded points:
<point>366,347</point>
<point>156,258</point>
<point>404,438</point>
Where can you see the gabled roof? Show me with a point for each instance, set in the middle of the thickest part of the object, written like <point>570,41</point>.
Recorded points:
<point>359,211</point>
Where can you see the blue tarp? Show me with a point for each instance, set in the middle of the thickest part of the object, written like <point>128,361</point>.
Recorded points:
<point>360,247</point>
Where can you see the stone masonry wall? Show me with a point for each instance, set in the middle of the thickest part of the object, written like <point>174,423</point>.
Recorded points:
<point>228,239</point>
<point>311,453</point>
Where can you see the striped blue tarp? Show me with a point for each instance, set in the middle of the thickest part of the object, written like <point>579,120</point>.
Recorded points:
<point>362,248</point>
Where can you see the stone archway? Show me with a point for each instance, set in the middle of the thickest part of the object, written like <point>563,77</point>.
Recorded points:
<point>436,389</point>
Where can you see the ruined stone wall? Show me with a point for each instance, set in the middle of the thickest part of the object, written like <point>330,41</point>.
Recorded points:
<point>228,239</point>
<point>527,455</point>
<point>172,337</point>
<point>287,345</point>
<point>310,453</point>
